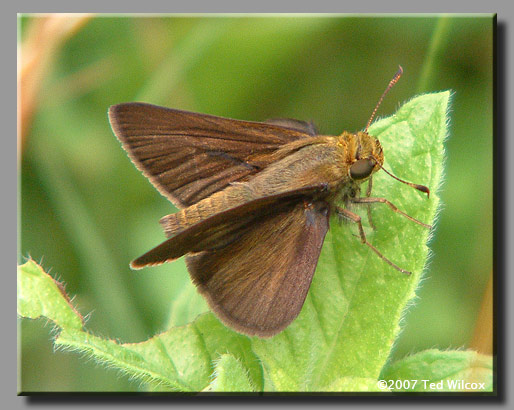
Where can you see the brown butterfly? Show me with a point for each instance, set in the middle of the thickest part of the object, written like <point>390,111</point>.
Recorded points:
<point>255,202</point>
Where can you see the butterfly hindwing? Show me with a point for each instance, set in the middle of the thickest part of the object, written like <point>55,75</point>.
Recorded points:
<point>258,283</point>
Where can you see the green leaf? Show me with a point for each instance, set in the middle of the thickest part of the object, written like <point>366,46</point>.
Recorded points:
<point>230,376</point>
<point>447,371</point>
<point>344,333</point>
<point>353,384</point>
<point>181,359</point>
<point>40,295</point>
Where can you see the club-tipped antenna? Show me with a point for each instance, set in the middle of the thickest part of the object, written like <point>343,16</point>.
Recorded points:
<point>421,188</point>
<point>389,86</point>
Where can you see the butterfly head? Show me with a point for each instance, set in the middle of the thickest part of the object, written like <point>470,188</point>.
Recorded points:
<point>368,157</point>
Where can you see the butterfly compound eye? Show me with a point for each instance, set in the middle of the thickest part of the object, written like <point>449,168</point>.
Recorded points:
<point>361,169</point>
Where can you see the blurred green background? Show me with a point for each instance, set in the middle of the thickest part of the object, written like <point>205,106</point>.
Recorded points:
<point>86,212</point>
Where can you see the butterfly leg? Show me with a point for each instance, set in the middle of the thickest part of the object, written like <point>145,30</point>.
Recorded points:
<point>368,194</point>
<point>353,217</point>
<point>370,201</point>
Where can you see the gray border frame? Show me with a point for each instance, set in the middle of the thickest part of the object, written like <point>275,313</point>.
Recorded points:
<point>504,167</point>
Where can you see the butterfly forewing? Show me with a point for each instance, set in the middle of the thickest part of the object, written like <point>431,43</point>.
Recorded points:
<point>189,156</point>
<point>298,125</point>
<point>258,284</point>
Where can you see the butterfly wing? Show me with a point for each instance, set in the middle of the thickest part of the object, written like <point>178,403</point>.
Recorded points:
<point>302,126</point>
<point>189,156</point>
<point>236,257</point>
<point>258,283</point>
<point>222,228</point>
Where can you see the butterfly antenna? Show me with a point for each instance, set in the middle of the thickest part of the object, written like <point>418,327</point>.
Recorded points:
<point>389,86</point>
<point>421,188</point>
